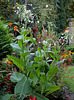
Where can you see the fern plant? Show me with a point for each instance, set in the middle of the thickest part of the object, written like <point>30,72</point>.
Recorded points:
<point>5,40</point>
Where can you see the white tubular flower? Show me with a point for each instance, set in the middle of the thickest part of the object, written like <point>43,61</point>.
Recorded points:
<point>46,6</point>
<point>37,21</point>
<point>45,42</point>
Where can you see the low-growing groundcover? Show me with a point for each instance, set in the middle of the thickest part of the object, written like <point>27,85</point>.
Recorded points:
<point>69,78</point>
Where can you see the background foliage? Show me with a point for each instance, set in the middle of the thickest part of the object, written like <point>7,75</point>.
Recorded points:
<point>5,40</point>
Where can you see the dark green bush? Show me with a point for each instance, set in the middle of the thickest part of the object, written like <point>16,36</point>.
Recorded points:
<point>5,40</point>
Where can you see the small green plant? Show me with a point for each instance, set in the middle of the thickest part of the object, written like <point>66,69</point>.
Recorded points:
<point>5,40</point>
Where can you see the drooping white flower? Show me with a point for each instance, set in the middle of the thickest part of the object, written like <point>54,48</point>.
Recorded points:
<point>45,42</point>
<point>46,6</point>
<point>37,21</point>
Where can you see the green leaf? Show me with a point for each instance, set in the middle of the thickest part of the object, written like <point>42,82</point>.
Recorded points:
<point>30,45</point>
<point>23,87</point>
<point>53,56</point>
<point>44,48</point>
<point>49,60</point>
<point>39,96</point>
<point>43,85</point>
<point>31,39</point>
<point>52,89</point>
<point>34,77</point>
<point>38,71</point>
<point>43,82</point>
<point>37,53</point>
<point>34,66</point>
<point>37,59</point>
<point>19,63</point>
<point>24,54</point>
<point>20,43</point>
<point>54,50</point>
<point>50,52</point>
<point>16,76</point>
<point>39,50</point>
<point>20,37</point>
<point>6,96</point>
<point>26,33</point>
<point>59,62</point>
<point>15,46</point>
<point>52,72</point>
<point>43,78</point>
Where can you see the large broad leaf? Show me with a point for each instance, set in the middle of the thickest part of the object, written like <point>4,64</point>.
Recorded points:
<point>23,87</point>
<point>52,72</point>
<point>39,96</point>
<point>20,37</point>
<point>19,63</point>
<point>6,96</point>
<point>34,66</point>
<point>15,46</point>
<point>16,77</point>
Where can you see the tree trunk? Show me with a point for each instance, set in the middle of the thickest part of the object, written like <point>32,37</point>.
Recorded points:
<point>26,3</point>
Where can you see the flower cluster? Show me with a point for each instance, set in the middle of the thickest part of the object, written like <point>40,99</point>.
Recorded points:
<point>66,54</point>
<point>8,61</point>
<point>31,98</point>
<point>10,24</point>
<point>15,28</point>
<point>7,84</point>
<point>69,60</point>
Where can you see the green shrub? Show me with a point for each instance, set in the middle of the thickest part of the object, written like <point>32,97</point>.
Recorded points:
<point>37,77</point>
<point>5,40</point>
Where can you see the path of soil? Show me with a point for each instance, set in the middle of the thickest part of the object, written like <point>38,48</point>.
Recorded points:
<point>69,95</point>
